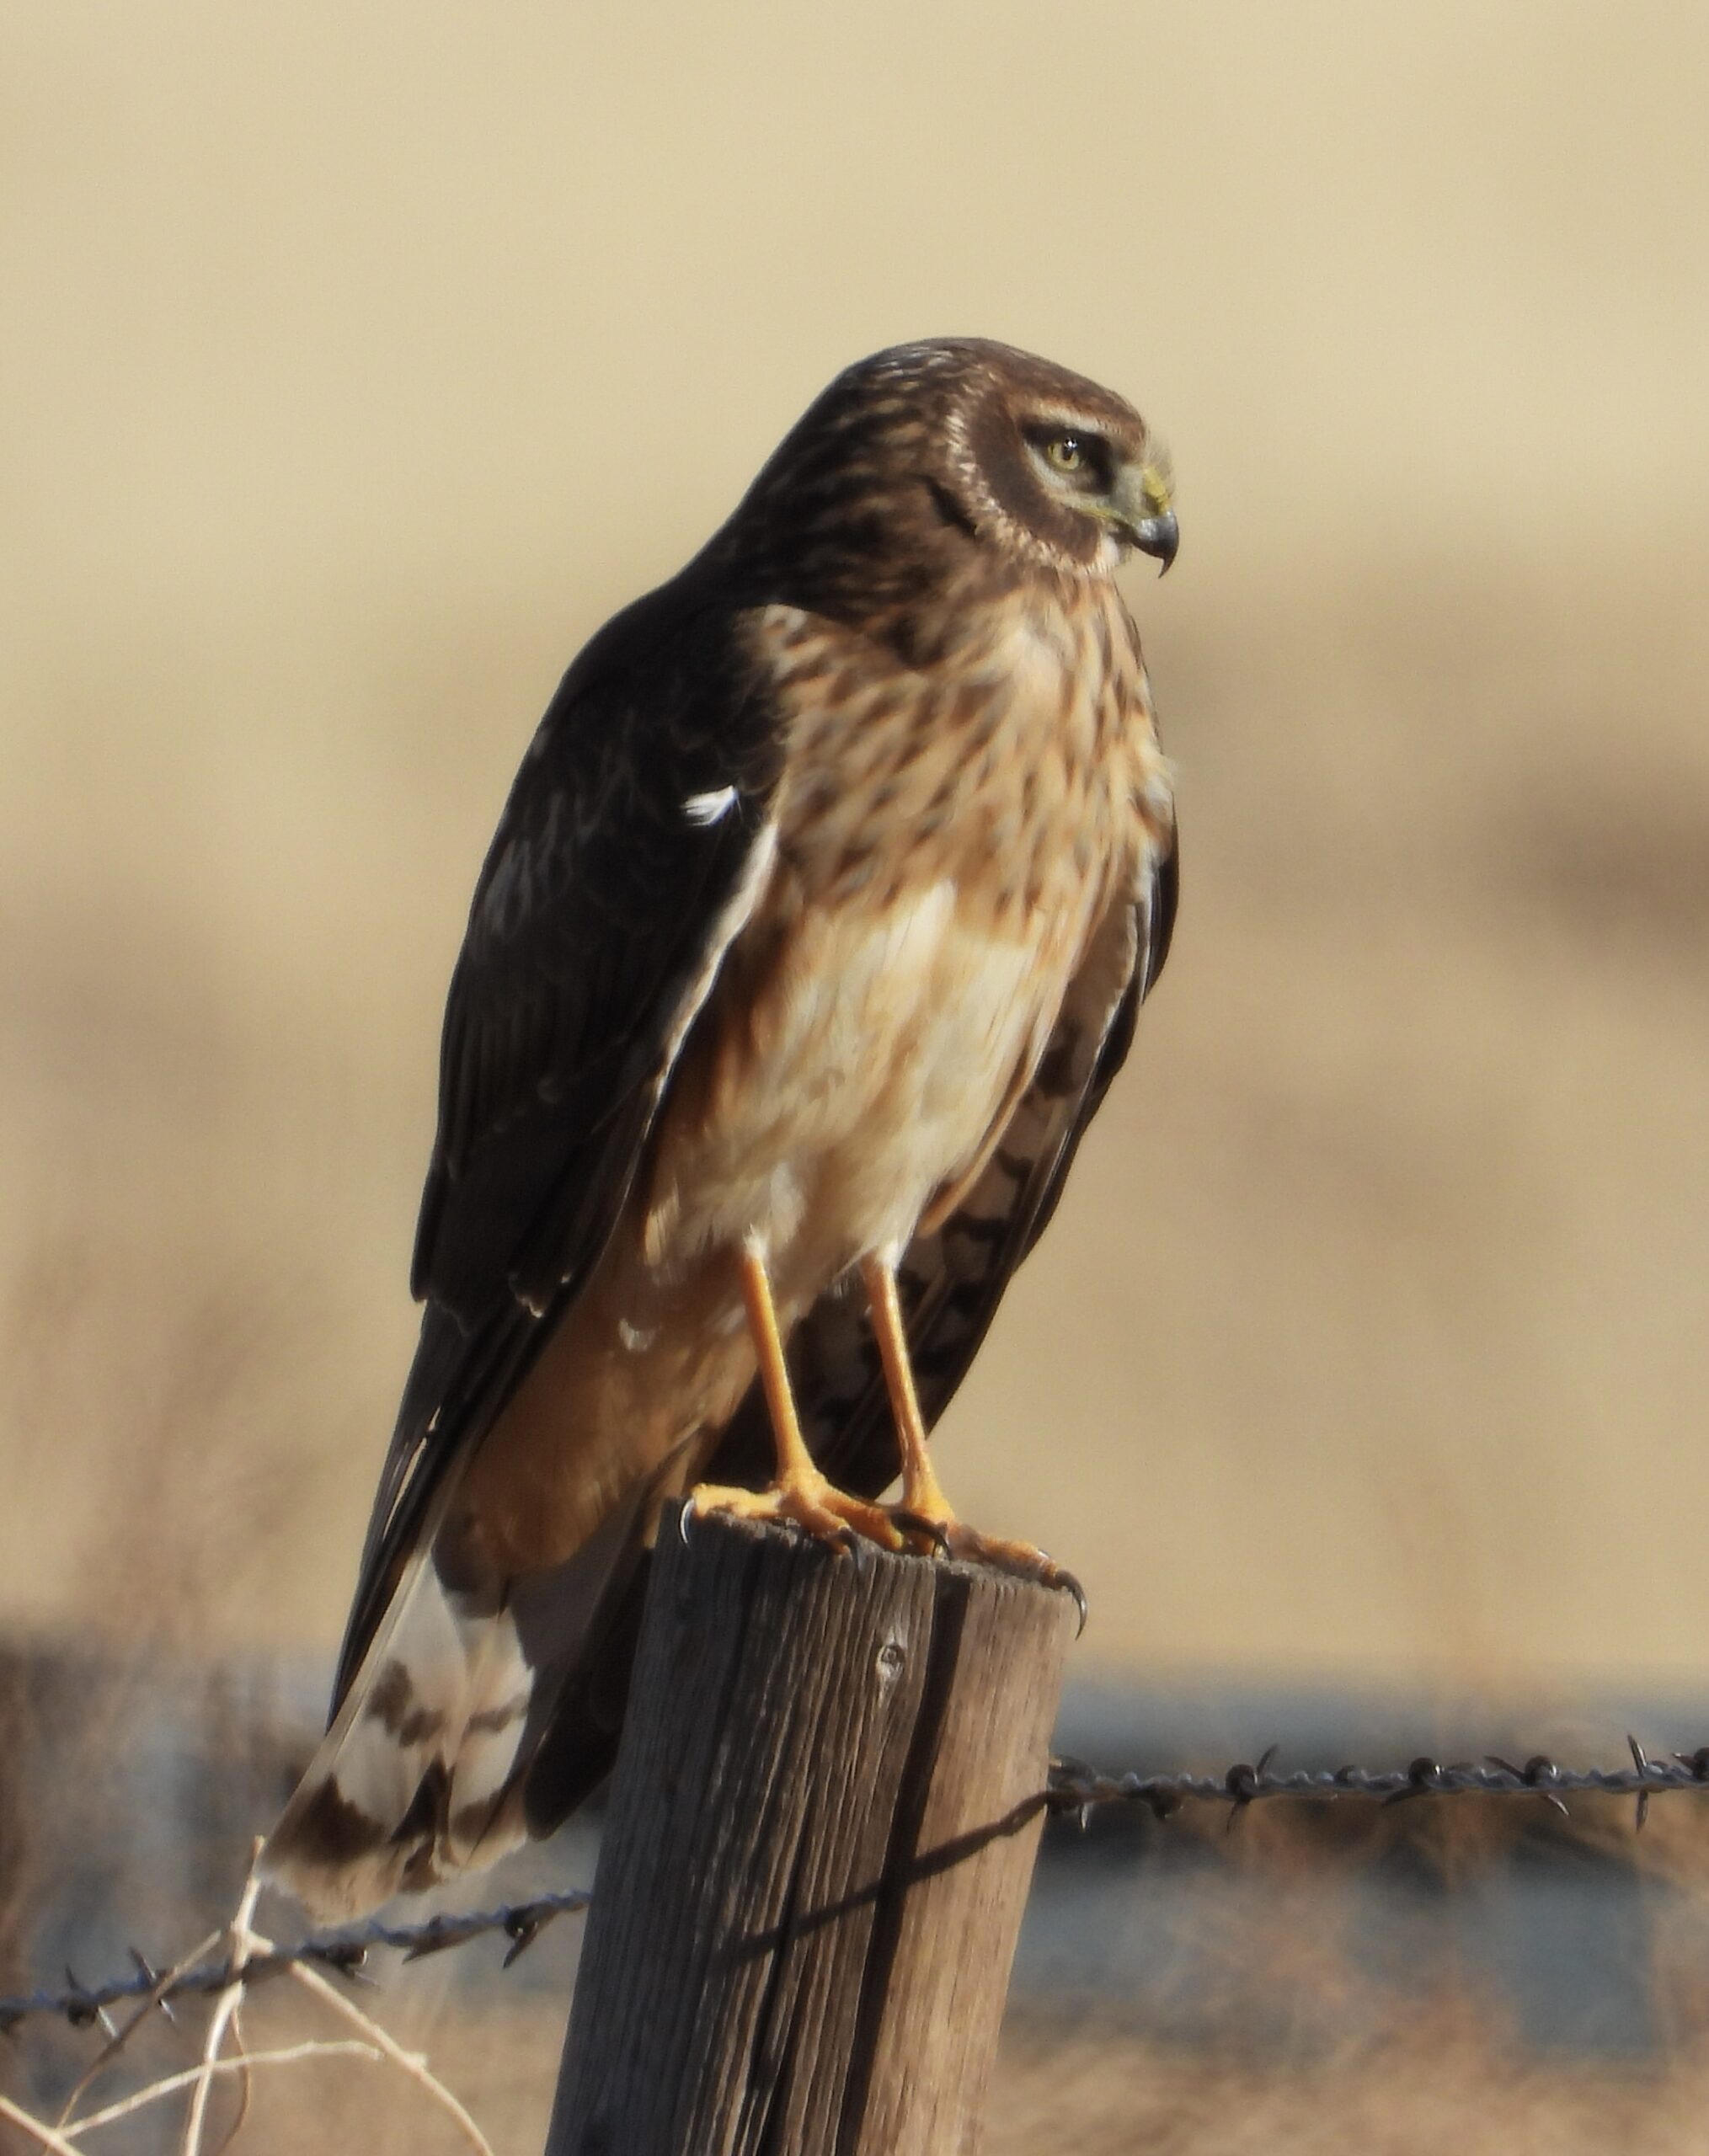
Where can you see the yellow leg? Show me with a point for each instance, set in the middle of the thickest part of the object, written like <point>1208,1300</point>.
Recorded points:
<point>921,1493</point>
<point>801,1495</point>
<point>924,1505</point>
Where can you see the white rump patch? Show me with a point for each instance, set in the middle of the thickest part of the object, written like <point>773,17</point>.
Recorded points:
<point>704,808</point>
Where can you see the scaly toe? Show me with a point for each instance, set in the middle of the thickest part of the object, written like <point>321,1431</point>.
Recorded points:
<point>1020,1559</point>
<point>826,1513</point>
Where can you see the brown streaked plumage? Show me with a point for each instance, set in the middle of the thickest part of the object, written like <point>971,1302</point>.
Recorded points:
<point>812,934</point>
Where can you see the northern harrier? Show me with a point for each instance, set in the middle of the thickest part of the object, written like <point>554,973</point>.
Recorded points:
<point>813,932</point>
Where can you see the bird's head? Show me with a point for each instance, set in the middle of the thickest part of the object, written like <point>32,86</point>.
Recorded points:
<point>1048,463</point>
<point>955,453</point>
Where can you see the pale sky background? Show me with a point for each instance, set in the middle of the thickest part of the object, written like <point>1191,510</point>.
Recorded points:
<point>356,360</point>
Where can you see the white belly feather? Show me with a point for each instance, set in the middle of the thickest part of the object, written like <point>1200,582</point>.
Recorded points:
<point>890,1038</point>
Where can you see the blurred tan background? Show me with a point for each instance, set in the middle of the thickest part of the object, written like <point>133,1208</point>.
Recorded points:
<point>355,362</point>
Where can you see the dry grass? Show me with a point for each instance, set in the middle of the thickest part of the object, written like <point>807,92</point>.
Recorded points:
<point>1437,2073</point>
<point>1442,2079</point>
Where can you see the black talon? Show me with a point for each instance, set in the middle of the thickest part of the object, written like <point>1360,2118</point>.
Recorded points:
<point>934,1531</point>
<point>1069,1585</point>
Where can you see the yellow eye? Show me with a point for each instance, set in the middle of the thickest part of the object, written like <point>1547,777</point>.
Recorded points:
<point>1067,453</point>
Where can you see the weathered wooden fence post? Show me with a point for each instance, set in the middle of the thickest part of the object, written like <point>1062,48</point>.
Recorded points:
<point>820,1836</point>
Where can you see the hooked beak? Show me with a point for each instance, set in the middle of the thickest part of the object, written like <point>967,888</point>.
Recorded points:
<point>1159,536</point>
<point>1143,515</point>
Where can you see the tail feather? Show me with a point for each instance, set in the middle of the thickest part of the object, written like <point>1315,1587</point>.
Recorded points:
<point>424,1772</point>
<point>406,1781</point>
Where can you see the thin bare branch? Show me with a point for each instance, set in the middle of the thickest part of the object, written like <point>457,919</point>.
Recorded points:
<point>162,1984</point>
<point>43,2135</point>
<point>244,1943</point>
<point>315,2047</point>
<point>411,2063</point>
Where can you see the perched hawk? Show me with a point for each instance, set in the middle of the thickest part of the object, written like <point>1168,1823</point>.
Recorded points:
<point>813,932</point>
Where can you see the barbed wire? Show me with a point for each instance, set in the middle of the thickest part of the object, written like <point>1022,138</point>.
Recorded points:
<point>1078,1788</point>
<point>1075,1789</point>
<point>343,1951</point>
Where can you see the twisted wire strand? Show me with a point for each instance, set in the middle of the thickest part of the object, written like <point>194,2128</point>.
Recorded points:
<point>344,1950</point>
<point>1074,1789</point>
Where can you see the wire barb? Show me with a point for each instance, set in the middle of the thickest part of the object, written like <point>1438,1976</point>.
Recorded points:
<point>1077,1789</point>
<point>1074,1790</point>
<point>344,1952</point>
<point>1641,1763</point>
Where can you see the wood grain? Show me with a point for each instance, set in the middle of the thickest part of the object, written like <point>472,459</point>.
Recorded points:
<point>822,1827</point>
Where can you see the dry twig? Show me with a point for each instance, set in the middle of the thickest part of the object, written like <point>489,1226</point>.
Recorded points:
<point>245,1947</point>
<point>244,1944</point>
<point>43,2135</point>
<point>411,2063</point>
<point>317,2048</point>
<point>163,1982</point>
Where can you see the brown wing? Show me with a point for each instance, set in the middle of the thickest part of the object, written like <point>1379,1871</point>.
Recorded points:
<point>628,854</point>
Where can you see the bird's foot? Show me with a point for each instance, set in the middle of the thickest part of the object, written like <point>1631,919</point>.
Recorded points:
<point>952,1538</point>
<point>811,1503</point>
<point>819,1508</point>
